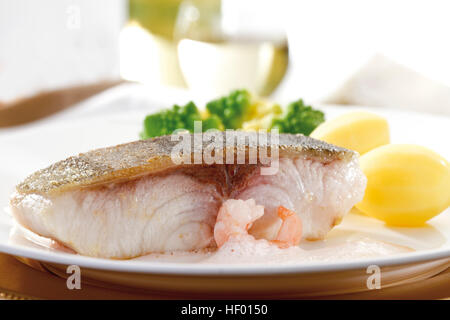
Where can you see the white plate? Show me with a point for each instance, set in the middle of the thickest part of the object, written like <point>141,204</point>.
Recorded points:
<point>28,149</point>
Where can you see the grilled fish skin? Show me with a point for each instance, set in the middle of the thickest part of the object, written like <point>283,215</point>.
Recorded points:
<point>132,199</point>
<point>140,157</point>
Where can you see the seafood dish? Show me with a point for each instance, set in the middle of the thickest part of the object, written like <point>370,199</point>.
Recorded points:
<point>133,199</point>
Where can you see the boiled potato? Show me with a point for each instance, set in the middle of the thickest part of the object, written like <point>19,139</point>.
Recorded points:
<point>406,184</point>
<point>360,131</point>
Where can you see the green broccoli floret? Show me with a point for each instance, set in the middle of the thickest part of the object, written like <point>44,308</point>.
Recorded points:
<point>299,118</point>
<point>212,122</point>
<point>238,110</point>
<point>179,117</point>
<point>233,109</point>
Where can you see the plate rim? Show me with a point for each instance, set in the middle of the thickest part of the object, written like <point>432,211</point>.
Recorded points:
<point>195,269</point>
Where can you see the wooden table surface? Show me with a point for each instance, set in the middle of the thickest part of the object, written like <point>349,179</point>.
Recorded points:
<point>20,281</point>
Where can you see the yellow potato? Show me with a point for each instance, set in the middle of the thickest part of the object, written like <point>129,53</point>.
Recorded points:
<point>406,184</point>
<point>360,131</point>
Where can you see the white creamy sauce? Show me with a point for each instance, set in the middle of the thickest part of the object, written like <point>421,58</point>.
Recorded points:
<point>260,251</point>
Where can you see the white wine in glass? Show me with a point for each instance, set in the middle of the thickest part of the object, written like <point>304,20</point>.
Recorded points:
<point>215,58</point>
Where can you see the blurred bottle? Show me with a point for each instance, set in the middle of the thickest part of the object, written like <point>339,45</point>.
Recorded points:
<point>228,44</point>
<point>148,52</point>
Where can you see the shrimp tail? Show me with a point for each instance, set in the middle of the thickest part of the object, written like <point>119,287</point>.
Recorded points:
<point>290,232</point>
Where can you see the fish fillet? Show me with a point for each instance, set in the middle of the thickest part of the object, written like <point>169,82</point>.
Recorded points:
<point>132,199</point>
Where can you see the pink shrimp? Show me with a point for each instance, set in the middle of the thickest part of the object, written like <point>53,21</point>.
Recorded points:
<point>290,232</point>
<point>236,217</point>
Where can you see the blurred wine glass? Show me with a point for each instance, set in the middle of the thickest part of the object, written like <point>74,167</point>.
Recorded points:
<point>229,44</point>
<point>148,52</point>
